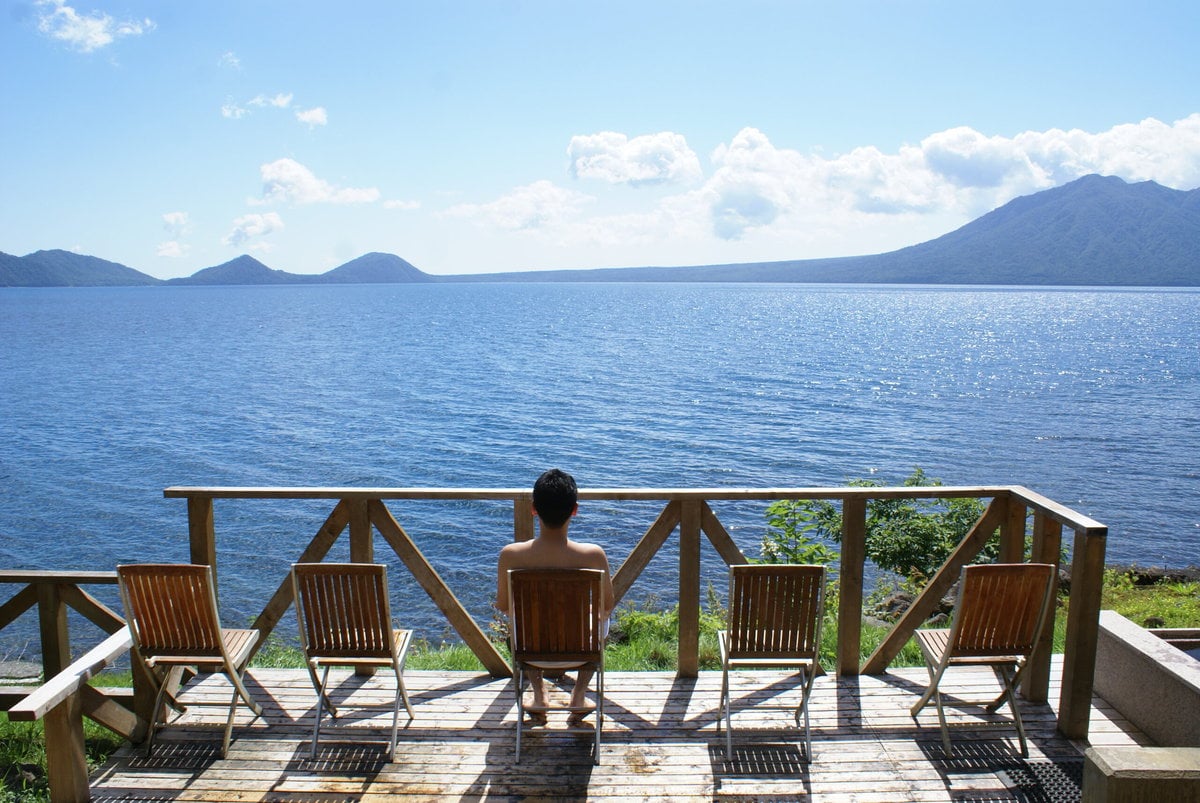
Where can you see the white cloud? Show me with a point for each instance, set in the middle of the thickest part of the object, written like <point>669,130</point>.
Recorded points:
<point>959,172</point>
<point>406,206</point>
<point>649,159</point>
<point>229,59</point>
<point>312,117</point>
<point>176,223</point>
<point>232,111</point>
<point>539,205</point>
<point>761,201</point>
<point>279,101</point>
<point>87,32</point>
<point>248,226</point>
<point>288,181</point>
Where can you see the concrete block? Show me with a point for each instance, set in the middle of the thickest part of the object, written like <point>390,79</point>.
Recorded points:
<point>1154,685</point>
<point>1141,775</point>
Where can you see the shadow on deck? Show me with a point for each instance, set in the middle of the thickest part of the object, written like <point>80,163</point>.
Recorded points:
<point>660,741</point>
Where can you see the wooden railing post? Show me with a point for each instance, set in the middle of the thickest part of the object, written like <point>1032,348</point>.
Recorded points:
<point>689,588</point>
<point>52,622</point>
<point>66,755</point>
<point>850,594</point>
<point>1047,546</point>
<point>362,550</point>
<point>1083,629</point>
<point>523,519</point>
<point>1012,532</point>
<point>362,545</point>
<point>202,536</point>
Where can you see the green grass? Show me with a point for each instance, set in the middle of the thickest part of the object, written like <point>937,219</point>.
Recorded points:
<point>643,638</point>
<point>23,751</point>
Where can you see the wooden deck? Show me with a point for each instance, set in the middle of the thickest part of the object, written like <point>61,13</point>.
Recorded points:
<point>659,743</point>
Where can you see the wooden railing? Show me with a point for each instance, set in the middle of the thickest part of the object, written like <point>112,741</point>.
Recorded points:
<point>65,697</point>
<point>363,511</point>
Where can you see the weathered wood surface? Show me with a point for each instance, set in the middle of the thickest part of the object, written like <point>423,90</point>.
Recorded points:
<point>659,743</point>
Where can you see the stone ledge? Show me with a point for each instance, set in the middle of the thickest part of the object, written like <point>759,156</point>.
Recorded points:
<point>1141,775</point>
<point>1153,684</point>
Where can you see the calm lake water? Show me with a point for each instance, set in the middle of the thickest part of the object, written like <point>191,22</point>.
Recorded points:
<point>109,395</point>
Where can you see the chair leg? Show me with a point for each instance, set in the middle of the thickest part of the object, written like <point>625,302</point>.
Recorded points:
<point>321,701</point>
<point>401,694</point>
<point>806,679</point>
<point>158,703</point>
<point>726,705</point>
<point>225,739</point>
<point>1008,679</point>
<point>945,728</point>
<point>599,712</point>
<point>519,682</point>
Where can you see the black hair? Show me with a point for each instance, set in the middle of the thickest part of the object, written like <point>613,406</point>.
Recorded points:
<point>554,497</point>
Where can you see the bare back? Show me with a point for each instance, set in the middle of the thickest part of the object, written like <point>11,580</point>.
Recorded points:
<point>550,552</point>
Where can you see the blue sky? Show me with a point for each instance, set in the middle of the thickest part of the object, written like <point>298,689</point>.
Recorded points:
<point>481,136</point>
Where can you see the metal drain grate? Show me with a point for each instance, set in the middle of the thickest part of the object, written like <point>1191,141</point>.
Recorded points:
<point>1045,781</point>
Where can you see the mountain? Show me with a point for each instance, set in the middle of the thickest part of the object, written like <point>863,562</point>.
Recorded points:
<point>374,268</point>
<point>243,270</point>
<point>1096,230</point>
<point>66,269</point>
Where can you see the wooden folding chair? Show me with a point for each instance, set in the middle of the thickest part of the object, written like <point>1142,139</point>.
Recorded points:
<point>555,624</point>
<point>345,620</point>
<point>775,614</point>
<point>172,615</point>
<point>997,622</point>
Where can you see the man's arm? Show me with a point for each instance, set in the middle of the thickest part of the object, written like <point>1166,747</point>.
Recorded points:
<point>606,586</point>
<point>502,566</point>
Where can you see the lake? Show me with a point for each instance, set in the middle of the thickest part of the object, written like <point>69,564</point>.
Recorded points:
<point>109,395</point>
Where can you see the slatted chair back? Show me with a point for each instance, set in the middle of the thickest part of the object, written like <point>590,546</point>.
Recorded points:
<point>172,609</point>
<point>555,614</point>
<point>775,611</point>
<point>1000,609</point>
<point>343,609</point>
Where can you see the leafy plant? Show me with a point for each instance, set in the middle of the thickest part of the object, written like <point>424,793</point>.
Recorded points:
<point>789,539</point>
<point>911,537</point>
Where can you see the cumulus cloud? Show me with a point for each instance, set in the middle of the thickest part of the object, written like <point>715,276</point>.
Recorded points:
<point>312,117</point>
<point>959,171</point>
<point>649,159</point>
<point>762,200</point>
<point>288,181</point>
<point>230,60</point>
<point>176,223</point>
<point>538,205</point>
<point>249,226</point>
<point>85,32</point>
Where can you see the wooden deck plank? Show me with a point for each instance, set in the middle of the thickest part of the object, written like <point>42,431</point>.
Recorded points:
<point>660,742</point>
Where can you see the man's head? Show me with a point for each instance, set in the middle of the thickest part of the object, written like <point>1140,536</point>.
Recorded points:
<point>554,497</point>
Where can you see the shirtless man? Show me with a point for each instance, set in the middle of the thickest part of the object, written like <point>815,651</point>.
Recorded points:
<point>555,498</point>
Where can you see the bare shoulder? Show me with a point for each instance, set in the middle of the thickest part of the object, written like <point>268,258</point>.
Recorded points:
<point>592,554</point>
<point>512,553</point>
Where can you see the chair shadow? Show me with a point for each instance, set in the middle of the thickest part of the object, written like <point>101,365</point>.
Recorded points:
<point>1049,780</point>
<point>773,762</point>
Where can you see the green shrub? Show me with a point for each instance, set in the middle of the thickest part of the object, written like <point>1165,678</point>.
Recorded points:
<point>910,537</point>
